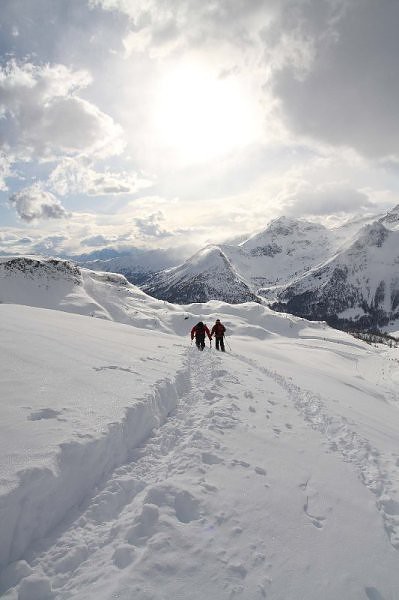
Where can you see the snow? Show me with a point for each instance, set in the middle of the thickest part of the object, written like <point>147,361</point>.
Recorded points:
<point>134,466</point>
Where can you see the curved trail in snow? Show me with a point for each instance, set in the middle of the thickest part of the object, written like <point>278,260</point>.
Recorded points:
<point>223,495</point>
<point>176,447</point>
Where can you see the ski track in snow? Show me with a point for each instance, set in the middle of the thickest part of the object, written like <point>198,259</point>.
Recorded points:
<point>377,471</point>
<point>139,513</point>
<point>135,492</point>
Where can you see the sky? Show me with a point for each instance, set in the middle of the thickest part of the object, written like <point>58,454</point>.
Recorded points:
<point>176,123</point>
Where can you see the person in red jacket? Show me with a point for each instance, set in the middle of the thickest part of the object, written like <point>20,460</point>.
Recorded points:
<point>199,331</point>
<point>218,330</point>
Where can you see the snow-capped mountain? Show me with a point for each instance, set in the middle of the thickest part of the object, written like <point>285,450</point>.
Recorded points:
<point>349,274</point>
<point>234,274</point>
<point>391,219</point>
<point>208,275</point>
<point>61,285</point>
<point>359,284</point>
<point>284,249</point>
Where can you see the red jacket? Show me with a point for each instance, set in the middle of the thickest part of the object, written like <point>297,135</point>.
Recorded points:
<point>218,329</point>
<point>200,331</point>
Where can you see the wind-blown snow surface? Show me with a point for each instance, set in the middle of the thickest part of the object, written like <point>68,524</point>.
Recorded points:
<point>134,466</point>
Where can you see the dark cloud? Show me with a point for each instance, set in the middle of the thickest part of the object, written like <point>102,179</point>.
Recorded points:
<point>35,203</point>
<point>344,88</point>
<point>325,200</point>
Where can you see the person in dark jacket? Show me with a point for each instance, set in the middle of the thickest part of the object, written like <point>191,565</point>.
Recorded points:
<point>199,331</point>
<point>218,330</point>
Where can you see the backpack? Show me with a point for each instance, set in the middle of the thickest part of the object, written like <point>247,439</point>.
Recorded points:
<point>200,328</point>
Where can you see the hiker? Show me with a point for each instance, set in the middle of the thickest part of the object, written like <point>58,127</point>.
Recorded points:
<point>218,330</point>
<point>198,331</point>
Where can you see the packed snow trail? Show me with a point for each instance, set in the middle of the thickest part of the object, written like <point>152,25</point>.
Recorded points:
<point>379,472</point>
<point>233,496</point>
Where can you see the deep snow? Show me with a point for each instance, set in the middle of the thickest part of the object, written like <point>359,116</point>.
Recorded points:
<point>135,467</point>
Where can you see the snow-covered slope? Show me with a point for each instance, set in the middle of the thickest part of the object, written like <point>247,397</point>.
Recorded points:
<point>284,249</point>
<point>208,275</point>
<point>61,285</point>
<point>360,283</point>
<point>134,466</point>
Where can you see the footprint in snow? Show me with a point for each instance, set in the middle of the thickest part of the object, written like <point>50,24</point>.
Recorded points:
<point>210,459</point>
<point>144,525</point>
<point>373,594</point>
<point>317,521</point>
<point>240,463</point>
<point>260,471</point>
<point>44,413</point>
<point>116,368</point>
<point>184,504</point>
<point>123,556</point>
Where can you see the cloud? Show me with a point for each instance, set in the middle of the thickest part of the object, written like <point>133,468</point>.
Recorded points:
<point>150,225</point>
<point>53,243</point>
<point>99,240</point>
<point>344,88</point>
<point>5,170</point>
<point>43,116</point>
<point>323,200</point>
<point>161,29</point>
<point>77,176</point>
<point>35,203</point>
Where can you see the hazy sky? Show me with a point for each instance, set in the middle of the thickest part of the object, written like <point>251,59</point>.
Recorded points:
<point>159,123</point>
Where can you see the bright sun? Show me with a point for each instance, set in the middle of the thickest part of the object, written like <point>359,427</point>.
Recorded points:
<point>199,116</point>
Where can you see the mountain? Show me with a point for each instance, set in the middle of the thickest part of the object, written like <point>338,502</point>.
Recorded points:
<point>347,275</point>
<point>391,219</point>
<point>359,285</point>
<point>136,264</point>
<point>234,273</point>
<point>61,285</point>
<point>284,249</point>
<point>208,275</point>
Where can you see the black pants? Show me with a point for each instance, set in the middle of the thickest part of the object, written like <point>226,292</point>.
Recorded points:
<point>220,340</point>
<point>200,341</point>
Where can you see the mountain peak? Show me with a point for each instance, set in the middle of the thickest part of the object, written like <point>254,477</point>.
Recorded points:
<point>391,219</point>
<point>373,234</point>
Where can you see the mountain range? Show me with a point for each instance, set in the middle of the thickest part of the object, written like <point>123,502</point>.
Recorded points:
<point>347,276</point>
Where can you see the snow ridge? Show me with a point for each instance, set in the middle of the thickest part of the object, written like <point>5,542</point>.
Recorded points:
<point>49,494</point>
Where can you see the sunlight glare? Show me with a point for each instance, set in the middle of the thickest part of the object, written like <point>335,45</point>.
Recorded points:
<point>199,116</point>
